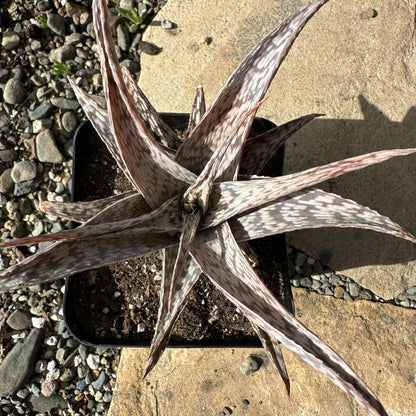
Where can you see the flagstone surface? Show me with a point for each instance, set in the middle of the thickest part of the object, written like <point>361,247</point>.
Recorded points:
<point>355,61</point>
<point>377,340</point>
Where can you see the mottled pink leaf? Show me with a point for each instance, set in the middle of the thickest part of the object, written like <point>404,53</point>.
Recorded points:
<point>167,318</point>
<point>155,174</point>
<point>244,89</point>
<point>198,109</point>
<point>83,211</point>
<point>189,228</point>
<point>220,258</point>
<point>228,199</point>
<point>161,220</point>
<point>312,208</point>
<point>161,131</point>
<point>275,356</point>
<point>65,258</point>
<point>258,150</point>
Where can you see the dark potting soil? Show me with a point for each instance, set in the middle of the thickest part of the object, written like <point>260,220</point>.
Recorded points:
<point>118,304</point>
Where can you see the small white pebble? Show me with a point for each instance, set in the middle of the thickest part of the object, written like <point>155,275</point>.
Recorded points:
<point>51,341</point>
<point>77,360</point>
<point>117,294</point>
<point>106,310</point>
<point>40,366</point>
<point>93,361</point>
<point>51,365</point>
<point>38,322</point>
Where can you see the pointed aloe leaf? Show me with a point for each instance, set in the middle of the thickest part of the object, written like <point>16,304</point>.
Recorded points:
<point>244,89</point>
<point>101,122</point>
<point>65,258</point>
<point>228,199</point>
<point>155,174</point>
<point>69,257</point>
<point>189,228</point>
<point>220,258</point>
<point>167,318</point>
<point>83,211</point>
<point>161,131</point>
<point>258,150</point>
<point>312,208</point>
<point>161,220</point>
<point>198,109</point>
<point>274,353</point>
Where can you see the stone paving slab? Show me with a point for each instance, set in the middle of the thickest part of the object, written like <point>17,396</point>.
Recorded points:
<point>355,61</point>
<point>377,340</point>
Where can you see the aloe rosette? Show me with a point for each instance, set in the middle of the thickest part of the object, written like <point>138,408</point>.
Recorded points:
<point>198,198</point>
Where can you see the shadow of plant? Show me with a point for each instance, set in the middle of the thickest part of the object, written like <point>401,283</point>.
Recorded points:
<point>389,188</point>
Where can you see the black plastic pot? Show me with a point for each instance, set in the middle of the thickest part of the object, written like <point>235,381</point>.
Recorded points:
<point>271,251</point>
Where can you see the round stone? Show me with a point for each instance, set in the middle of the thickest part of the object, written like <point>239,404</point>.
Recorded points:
<point>69,121</point>
<point>14,91</point>
<point>93,361</point>
<point>26,170</point>
<point>339,292</point>
<point>10,40</point>
<point>354,289</point>
<point>250,365</point>
<point>49,387</point>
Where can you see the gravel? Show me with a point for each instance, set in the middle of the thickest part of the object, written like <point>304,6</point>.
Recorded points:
<point>53,373</point>
<point>323,280</point>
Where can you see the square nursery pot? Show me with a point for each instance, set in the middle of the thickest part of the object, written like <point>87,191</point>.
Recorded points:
<point>117,305</point>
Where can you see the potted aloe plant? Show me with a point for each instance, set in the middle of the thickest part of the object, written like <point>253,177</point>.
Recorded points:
<point>117,305</point>
<point>198,207</point>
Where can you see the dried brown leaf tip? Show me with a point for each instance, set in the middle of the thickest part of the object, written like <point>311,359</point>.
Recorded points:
<point>194,207</point>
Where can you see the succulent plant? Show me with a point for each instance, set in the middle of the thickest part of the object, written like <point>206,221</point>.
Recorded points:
<point>199,201</point>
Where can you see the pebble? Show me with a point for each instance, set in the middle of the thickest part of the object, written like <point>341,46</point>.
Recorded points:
<point>10,40</point>
<point>67,375</point>
<point>62,54</point>
<point>65,103</point>
<point>78,13</point>
<point>18,364</point>
<point>93,361</point>
<point>354,289</point>
<point>43,404</point>
<point>306,282</point>
<point>46,148</point>
<point>73,39</point>
<point>19,319</point>
<point>14,92</point>
<point>52,340</point>
<point>81,385</point>
<point>250,365</point>
<point>339,292</point>
<point>41,366</point>
<point>48,387</point>
<point>166,24</point>
<point>26,187</point>
<point>347,296</point>
<point>25,170</point>
<point>123,37</point>
<point>56,23</point>
<point>6,181</point>
<point>41,111</point>
<point>99,381</point>
<point>69,121</point>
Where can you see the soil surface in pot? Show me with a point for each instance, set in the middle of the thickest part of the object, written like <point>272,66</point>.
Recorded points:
<point>118,304</point>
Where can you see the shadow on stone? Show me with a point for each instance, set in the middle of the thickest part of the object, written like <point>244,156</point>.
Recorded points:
<point>389,188</point>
